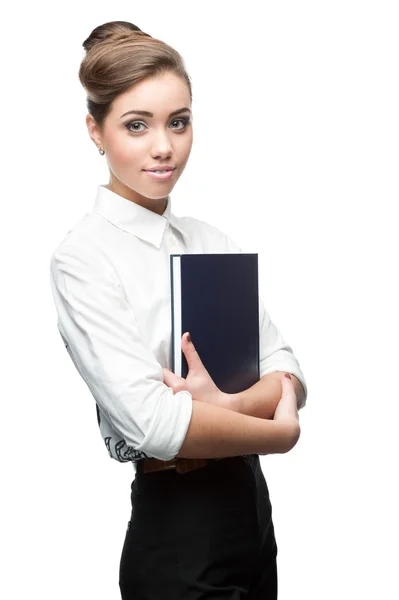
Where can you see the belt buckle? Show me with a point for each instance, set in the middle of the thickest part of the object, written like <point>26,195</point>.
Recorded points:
<point>154,465</point>
<point>172,465</point>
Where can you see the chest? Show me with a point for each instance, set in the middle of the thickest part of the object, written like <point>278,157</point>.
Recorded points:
<point>144,274</point>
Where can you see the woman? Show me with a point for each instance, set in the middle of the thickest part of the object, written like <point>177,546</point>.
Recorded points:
<point>201,524</point>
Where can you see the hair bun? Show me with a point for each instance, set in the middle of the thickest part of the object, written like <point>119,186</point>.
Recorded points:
<point>120,55</point>
<point>116,30</point>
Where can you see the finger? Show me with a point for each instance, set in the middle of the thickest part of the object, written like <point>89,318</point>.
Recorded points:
<point>166,374</point>
<point>175,378</point>
<point>288,389</point>
<point>287,378</point>
<point>191,354</point>
<point>287,385</point>
<point>170,378</point>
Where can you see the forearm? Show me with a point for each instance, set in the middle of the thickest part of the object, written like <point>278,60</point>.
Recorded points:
<point>215,432</point>
<point>261,399</point>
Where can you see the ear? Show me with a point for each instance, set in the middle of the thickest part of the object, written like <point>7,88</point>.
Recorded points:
<point>94,130</point>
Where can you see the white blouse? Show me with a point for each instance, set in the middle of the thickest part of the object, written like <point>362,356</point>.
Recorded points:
<point>110,280</point>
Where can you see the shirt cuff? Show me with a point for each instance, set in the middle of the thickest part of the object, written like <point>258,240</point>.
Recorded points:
<point>288,368</point>
<point>169,425</point>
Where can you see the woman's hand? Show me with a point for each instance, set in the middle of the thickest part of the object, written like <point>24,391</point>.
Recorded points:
<point>286,413</point>
<point>198,381</point>
<point>287,407</point>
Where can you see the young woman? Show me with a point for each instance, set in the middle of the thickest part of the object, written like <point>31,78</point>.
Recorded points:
<point>201,523</point>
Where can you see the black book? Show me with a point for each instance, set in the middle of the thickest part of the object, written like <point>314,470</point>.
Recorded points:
<point>215,298</point>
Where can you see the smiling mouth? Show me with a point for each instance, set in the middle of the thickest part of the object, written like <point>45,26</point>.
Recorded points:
<point>161,175</point>
<point>159,170</point>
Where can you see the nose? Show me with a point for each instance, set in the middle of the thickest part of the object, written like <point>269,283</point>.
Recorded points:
<point>161,146</point>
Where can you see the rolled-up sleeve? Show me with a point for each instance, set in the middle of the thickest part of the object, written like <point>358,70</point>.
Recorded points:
<point>274,352</point>
<point>105,344</point>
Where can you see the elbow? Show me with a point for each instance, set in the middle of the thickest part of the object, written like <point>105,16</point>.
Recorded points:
<point>300,392</point>
<point>301,403</point>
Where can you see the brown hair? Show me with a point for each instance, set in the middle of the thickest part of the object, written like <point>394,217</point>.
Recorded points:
<point>119,55</point>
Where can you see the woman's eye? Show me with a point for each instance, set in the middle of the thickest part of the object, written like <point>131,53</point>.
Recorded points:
<point>132,125</point>
<point>183,121</point>
<point>129,125</point>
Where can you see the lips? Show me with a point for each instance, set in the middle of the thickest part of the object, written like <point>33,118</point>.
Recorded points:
<point>163,176</point>
<point>160,169</point>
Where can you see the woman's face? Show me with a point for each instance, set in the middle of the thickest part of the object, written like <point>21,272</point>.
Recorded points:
<point>136,142</point>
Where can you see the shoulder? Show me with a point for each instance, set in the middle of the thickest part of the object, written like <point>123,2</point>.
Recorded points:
<point>210,233</point>
<point>81,244</point>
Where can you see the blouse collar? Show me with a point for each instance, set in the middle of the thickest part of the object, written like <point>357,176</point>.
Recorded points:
<point>135,219</point>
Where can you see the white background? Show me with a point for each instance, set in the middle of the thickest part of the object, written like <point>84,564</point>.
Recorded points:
<point>295,157</point>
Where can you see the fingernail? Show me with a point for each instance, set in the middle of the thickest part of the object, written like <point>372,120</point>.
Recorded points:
<point>287,375</point>
<point>189,338</point>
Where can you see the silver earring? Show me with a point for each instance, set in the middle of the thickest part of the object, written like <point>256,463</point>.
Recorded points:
<point>101,151</point>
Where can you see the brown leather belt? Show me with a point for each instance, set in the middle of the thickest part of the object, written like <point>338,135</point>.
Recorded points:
<point>182,465</point>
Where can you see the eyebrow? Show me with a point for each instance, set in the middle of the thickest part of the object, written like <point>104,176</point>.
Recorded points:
<point>145,113</point>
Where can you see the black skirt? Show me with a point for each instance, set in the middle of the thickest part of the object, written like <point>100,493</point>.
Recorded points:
<point>203,534</point>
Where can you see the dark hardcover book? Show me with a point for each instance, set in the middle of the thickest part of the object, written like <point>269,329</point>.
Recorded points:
<point>215,298</point>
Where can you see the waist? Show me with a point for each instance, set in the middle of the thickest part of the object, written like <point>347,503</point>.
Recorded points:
<point>181,465</point>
